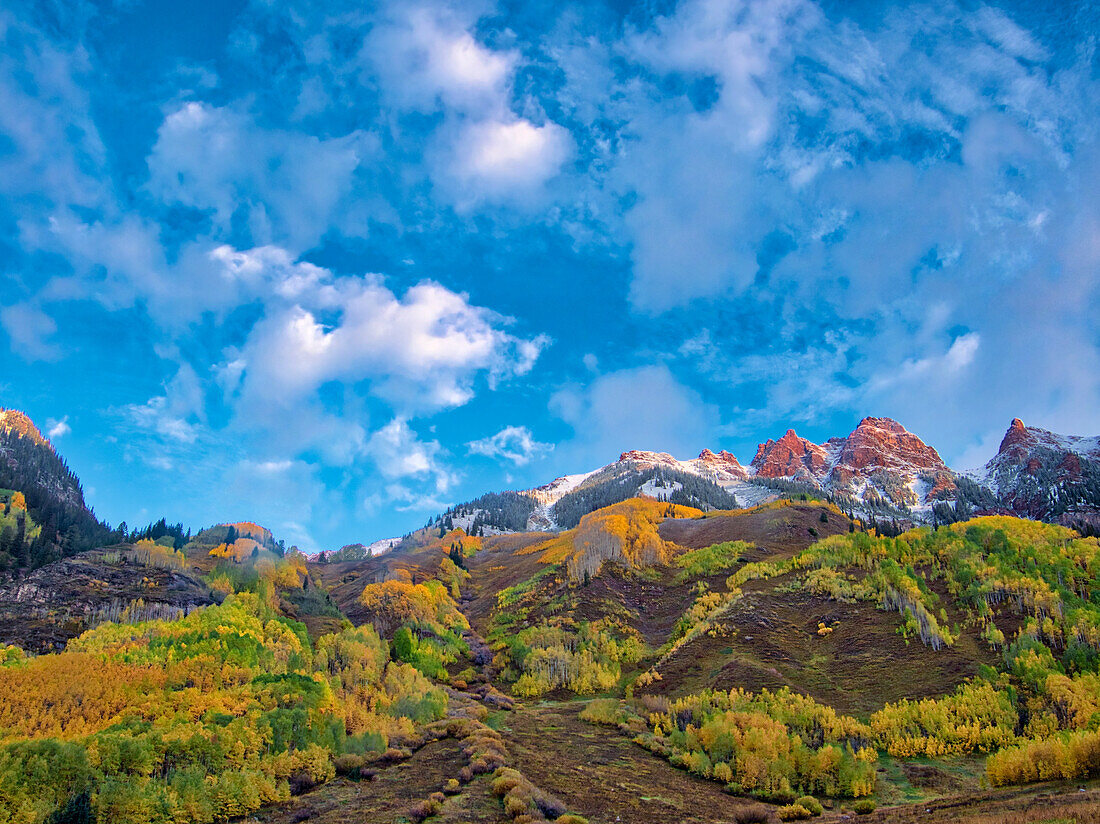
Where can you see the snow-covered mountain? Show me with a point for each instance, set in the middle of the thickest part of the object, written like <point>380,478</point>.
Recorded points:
<point>880,468</point>
<point>879,462</point>
<point>878,465</point>
<point>1040,474</point>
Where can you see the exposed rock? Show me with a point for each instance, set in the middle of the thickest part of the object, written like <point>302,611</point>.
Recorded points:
<point>722,462</point>
<point>43,609</point>
<point>1041,474</point>
<point>884,443</point>
<point>790,457</point>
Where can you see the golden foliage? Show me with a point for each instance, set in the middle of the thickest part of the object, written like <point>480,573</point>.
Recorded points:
<point>392,604</point>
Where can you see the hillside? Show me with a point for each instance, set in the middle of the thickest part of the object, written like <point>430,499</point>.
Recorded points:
<point>673,655</point>
<point>897,669</point>
<point>44,514</point>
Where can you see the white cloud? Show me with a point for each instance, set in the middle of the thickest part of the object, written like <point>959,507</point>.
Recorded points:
<point>512,443</point>
<point>504,158</point>
<point>420,352</point>
<point>57,428</point>
<point>177,413</point>
<point>426,57</point>
<point>30,330</point>
<point>934,369</point>
<point>404,459</point>
<point>274,467</point>
<point>287,185</point>
<point>54,151</point>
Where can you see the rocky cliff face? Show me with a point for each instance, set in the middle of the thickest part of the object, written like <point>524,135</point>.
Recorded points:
<point>883,443</point>
<point>43,609</point>
<point>1040,474</point>
<point>790,457</point>
<point>879,459</point>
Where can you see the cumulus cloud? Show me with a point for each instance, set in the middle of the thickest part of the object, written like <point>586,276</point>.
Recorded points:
<point>403,458</point>
<point>30,330</point>
<point>425,57</point>
<point>512,443</point>
<point>501,159</point>
<point>285,186</point>
<point>57,428</point>
<point>421,351</point>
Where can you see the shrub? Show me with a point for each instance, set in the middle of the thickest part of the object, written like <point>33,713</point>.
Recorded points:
<point>602,711</point>
<point>811,804</point>
<point>424,809</point>
<point>348,763</point>
<point>864,806</point>
<point>505,781</point>
<point>793,812</point>
<point>756,814</point>
<point>570,818</point>
<point>452,787</point>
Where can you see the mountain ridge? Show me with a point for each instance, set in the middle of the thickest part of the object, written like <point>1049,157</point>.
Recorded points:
<point>879,466</point>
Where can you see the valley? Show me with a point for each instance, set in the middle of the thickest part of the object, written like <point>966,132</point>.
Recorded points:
<point>655,661</point>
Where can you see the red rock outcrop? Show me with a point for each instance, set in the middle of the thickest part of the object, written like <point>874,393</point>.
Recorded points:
<point>790,456</point>
<point>883,443</point>
<point>722,462</point>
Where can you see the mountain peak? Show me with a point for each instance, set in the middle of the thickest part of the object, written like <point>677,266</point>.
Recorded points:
<point>1017,438</point>
<point>790,456</point>
<point>888,424</point>
<point>885,443</point>
<point>12,420</point>
<point>1026,455</point>
<point>643,456</point>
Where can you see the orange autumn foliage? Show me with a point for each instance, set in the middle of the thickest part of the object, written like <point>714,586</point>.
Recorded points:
<point>392,604</point>
<point>624,533</point>
<point>71,695</point>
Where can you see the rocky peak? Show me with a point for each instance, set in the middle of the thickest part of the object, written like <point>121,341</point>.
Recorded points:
<point>723,465</point>
<point>1016,441</point>
<point>642,457</point>
<point>15,422</point>
<point>723,458</point>
<point>1041,474</point>
<point>1020,441</point>
<point>790,456</point>
<point>883,443</point>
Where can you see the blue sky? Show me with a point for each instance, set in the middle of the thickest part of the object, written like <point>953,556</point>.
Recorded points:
<point>334,266</point>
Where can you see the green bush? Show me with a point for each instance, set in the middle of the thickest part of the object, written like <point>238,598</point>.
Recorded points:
<point>811,804</point>
<point>864,806</point>
<point>793,812</point>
